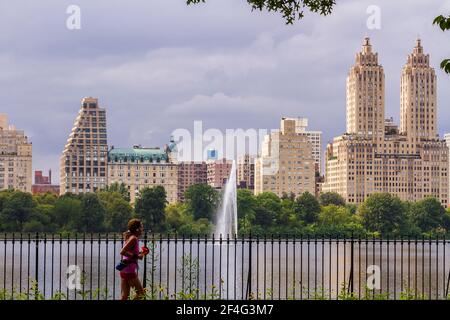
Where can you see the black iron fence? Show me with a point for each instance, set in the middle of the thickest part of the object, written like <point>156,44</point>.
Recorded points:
<point>42,266</point>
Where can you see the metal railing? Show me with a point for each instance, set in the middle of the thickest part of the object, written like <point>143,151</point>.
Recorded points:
<point>42,266</point>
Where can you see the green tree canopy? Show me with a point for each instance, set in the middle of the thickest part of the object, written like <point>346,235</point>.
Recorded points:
<point>267,210</point>
<point>246,204</point>
<point>202,201</point>
<point>331,198</point>
<point>338,221</point>
<point>92,214</point>
<point>118,210</point>
<point>383,213</point>
<point>45,198</point>
<point>307,208</point>
<point>428,214</point>
<point>18,208</point>
<point>67,212</point>
<point>149,207</point>
<point>120,188</point>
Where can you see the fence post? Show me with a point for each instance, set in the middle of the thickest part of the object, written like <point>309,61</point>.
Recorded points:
<point>249,279</point>
<point>448,284</point>
<point>36,289</point>
<point>145,265</point>
<point>352,269</point>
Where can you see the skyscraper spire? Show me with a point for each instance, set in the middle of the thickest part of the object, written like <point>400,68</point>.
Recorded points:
<point>418,49</point>
<point>365,95</point>
<point>367,47</point>
<point>418,97</point>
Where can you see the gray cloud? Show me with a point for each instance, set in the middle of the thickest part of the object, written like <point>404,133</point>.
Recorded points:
<point>159,65</point>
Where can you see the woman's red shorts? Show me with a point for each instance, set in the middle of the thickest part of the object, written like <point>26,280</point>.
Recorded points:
<point>128,275</point>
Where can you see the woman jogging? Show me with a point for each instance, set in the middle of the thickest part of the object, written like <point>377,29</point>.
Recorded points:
<point>130,256</point>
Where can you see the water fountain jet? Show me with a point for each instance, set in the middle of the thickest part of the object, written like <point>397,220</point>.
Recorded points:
<point>227,214</point>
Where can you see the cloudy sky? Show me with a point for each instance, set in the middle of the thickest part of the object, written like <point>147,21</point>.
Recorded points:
<point>158,65</point>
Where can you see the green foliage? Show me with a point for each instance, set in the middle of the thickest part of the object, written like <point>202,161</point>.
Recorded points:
<point>92,215</point>
<point>338,221</point>
<point>268,208</point>
<point>150,206</point>
<point>427,214</point>
<point>291,10</point>
<point>246,204</point>
<point>307,208</point>
<point>66,213</point>
<point>384,213</point>
<point>265,214</point>
<point>118,210</point>
<point>120,188</point>
<point>444,24</point>
<point>331,198</point>
<point>180,220</point>
<point>202,201</point>
<point>18,209</point>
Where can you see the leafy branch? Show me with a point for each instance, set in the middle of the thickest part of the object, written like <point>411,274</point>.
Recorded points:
<point>443,23</point>
<point>291,10</point>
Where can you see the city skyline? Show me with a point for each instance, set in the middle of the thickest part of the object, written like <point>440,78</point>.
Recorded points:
<point>265,71</point>
<point>375,155</point>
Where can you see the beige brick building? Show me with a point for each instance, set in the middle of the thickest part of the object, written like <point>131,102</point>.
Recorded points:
<point>374,155</point>
<point>218,172</point>
<point>315,137</point>
<point>190,173</point>
<point>15,158</point>
<point>139,168</point>
<point>286,164</point>
<point>84,159</point>
<point>246,171</point>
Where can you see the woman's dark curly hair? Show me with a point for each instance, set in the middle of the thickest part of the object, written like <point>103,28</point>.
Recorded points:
<point>133,226</point>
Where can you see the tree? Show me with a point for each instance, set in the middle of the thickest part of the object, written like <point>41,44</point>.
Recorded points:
<point>92,214</point>
<point>41,220</point>
<point>17,210</point>
<point>67,212</point>
<point>246,204</point>
<point>444,23</point>
<point>307,208</point>
<point>202,201</point>
<point>45,198</point>
<point>428,214</point>
<point>331,198</point>
<point>200,227</point>
<point>118,210</point>
<point>267,211</point>
<point>338,220</point>
<point>384,213</point>
<point>149,207</point>
<point>181,221</point>
<point>177,216</point>
<point>120,188</point>
<point>446,219</point>
<point>290,9</point>
<point>333,215</point>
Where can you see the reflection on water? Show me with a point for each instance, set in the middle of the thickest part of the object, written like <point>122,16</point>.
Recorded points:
<point>314,269</point>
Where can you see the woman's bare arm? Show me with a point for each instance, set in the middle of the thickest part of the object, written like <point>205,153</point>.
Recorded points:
<point>127,248</point>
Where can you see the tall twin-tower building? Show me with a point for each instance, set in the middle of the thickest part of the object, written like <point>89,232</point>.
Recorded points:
<point>375,155</point>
